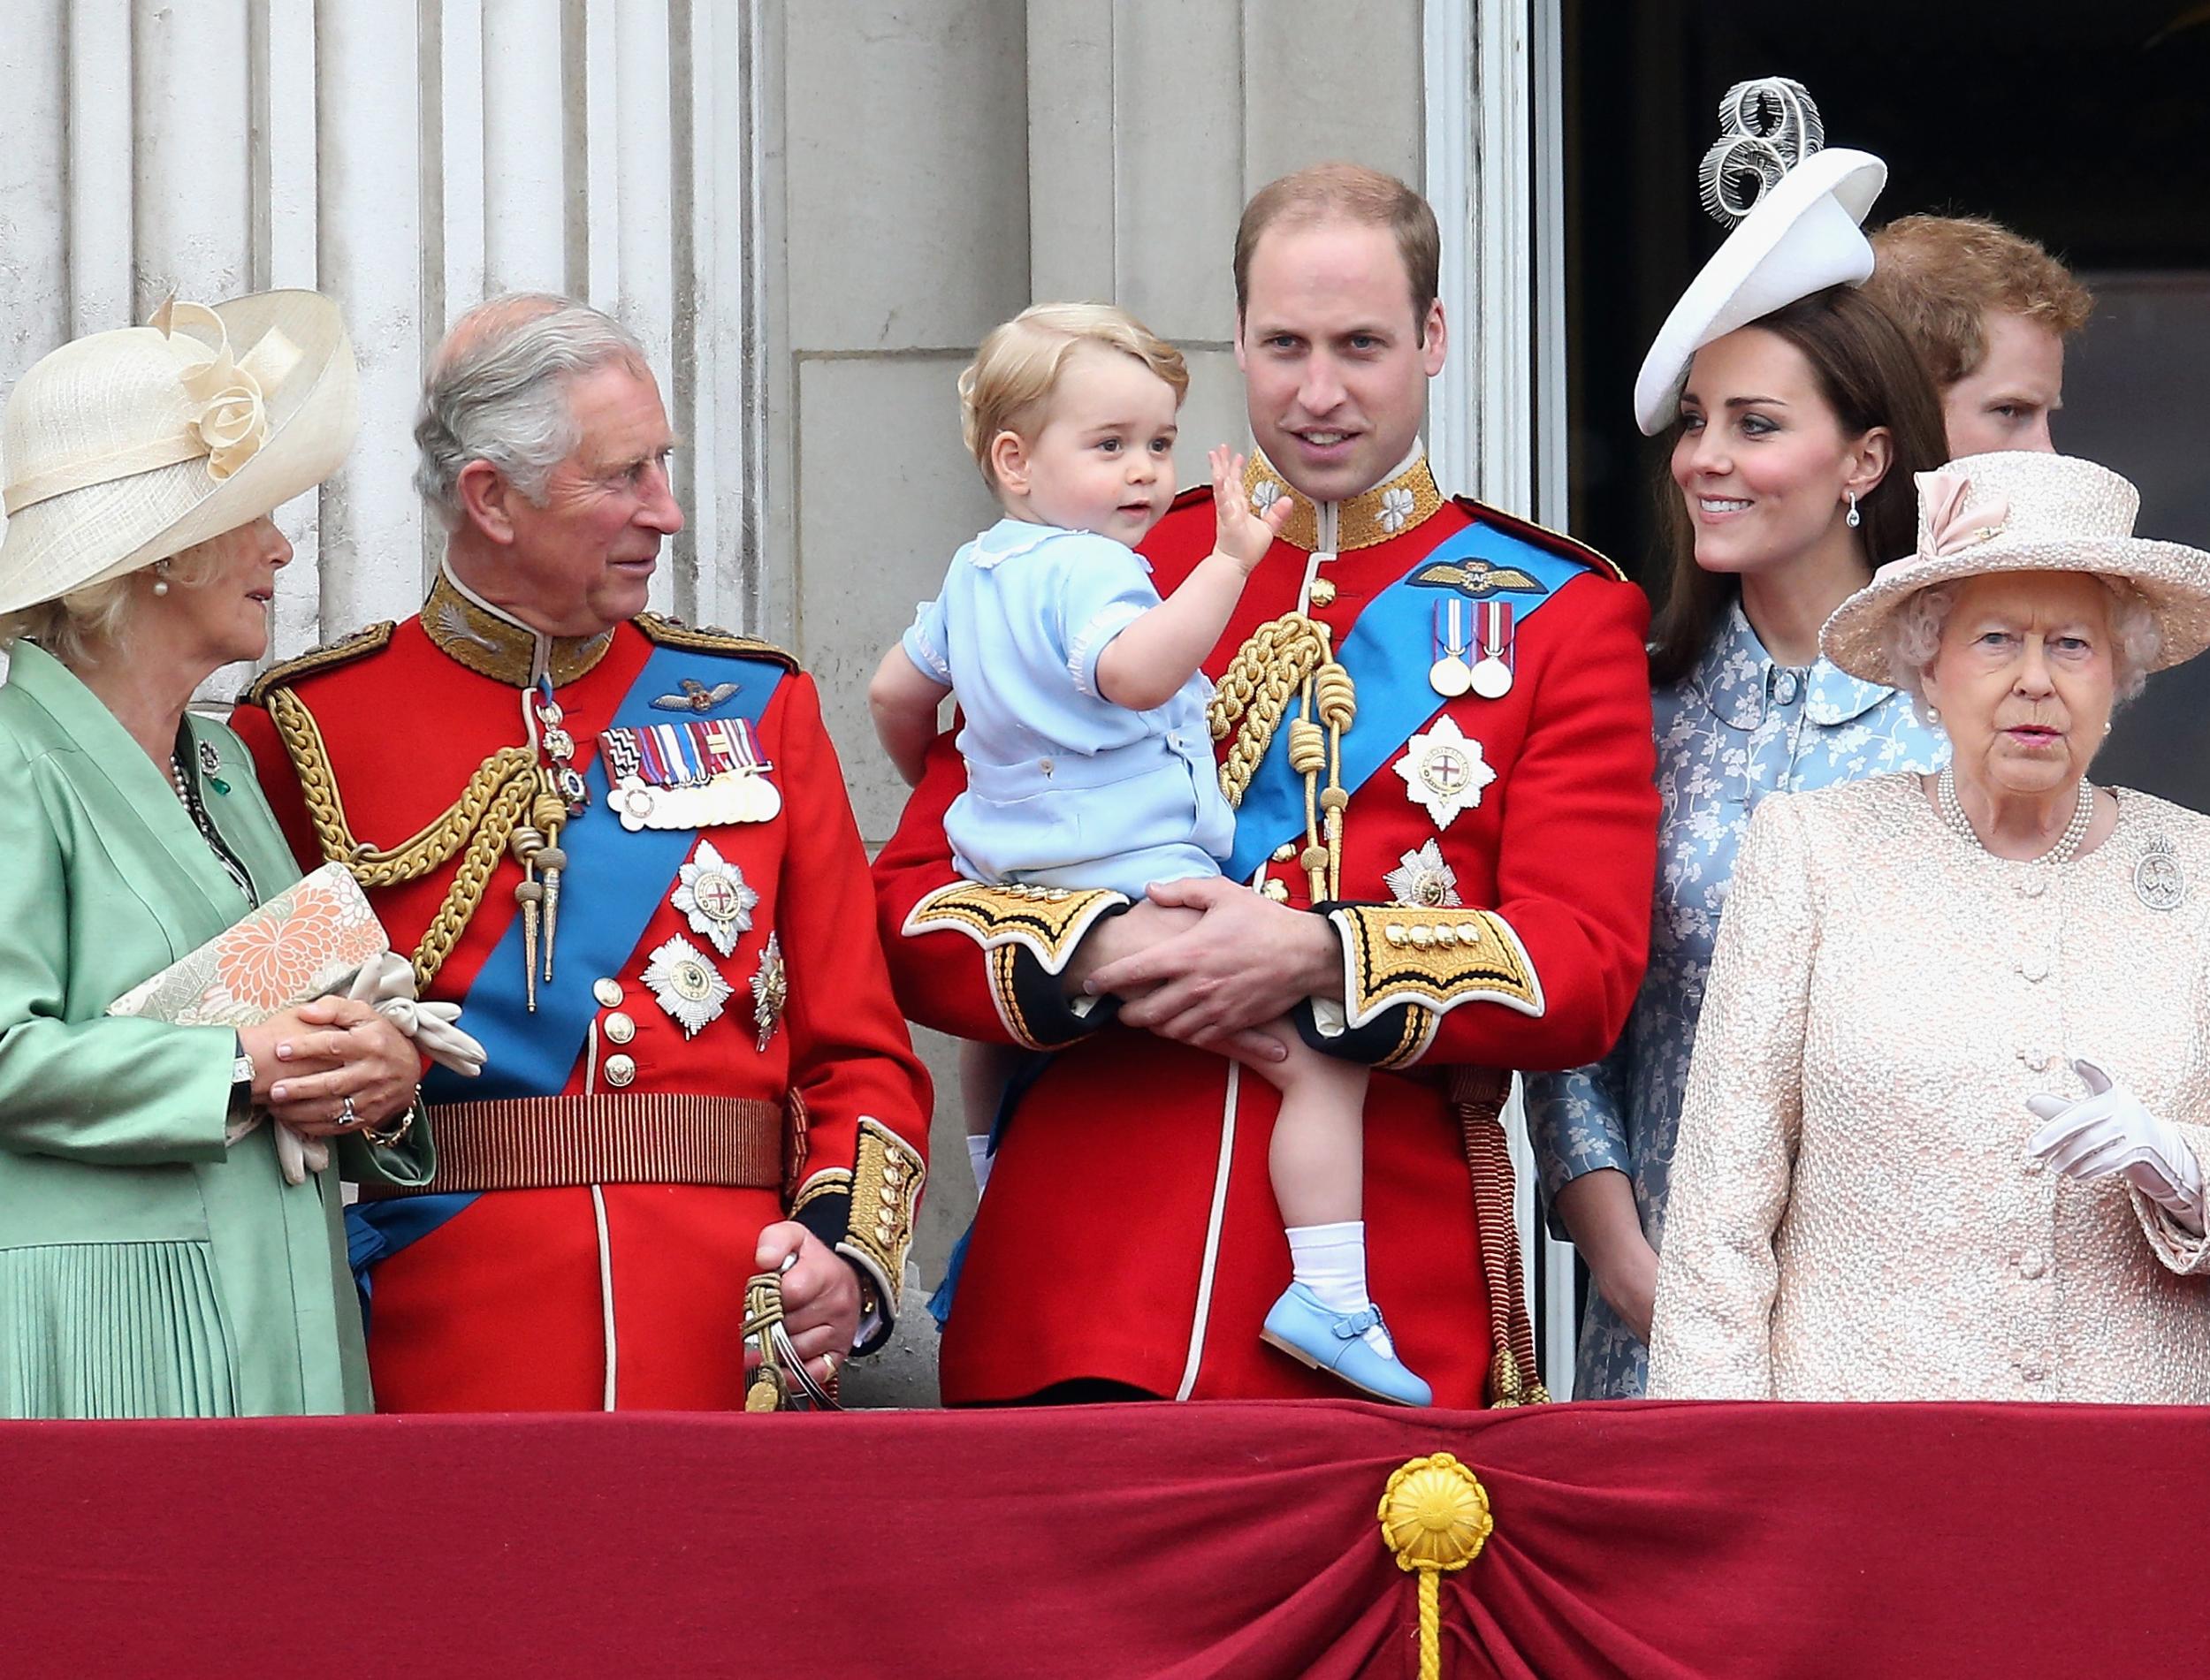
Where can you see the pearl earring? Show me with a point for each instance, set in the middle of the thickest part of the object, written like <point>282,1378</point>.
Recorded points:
<point>160,581</point>
<point>1854,518</point>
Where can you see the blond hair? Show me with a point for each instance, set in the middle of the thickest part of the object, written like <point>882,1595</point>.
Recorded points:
<point>1010,382</point>
<point>1939,276</point>
<point>86,624</point>
<point>1362,196</point>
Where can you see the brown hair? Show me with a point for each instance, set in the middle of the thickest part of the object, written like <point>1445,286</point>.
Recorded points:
<point>1347,193</point>
<point>1869,376</point>
<point>1939,276</point>
<point>1011,377</point>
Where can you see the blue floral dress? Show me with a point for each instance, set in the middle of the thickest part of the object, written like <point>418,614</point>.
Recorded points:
<point>1736,730</point>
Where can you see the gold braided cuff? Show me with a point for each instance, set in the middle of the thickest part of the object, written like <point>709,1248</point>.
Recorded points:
<point>1435,958</point>
<point>865,1212</point>
<point>1047,921</point>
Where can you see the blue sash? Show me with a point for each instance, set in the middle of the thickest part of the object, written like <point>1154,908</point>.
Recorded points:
<point>614,881</point>
<point>1388,653</point>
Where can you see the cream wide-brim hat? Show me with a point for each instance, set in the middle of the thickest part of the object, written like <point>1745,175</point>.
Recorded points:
<point>2024,511</point>
<point>126,447</point>
<point>1804,235</point>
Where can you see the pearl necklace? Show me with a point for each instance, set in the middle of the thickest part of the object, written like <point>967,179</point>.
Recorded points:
<point>207,829</point>
<point>2068,843</point>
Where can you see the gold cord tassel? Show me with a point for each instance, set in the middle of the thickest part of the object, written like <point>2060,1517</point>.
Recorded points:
<point>548,813</point>
<point>527,845</point>
<point>1291,658</point>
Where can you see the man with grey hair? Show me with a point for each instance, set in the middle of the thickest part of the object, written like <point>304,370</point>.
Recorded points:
<point>624,846</point>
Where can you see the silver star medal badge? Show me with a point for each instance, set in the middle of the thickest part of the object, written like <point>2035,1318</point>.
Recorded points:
<point>1443,769</point>
<point>771,991</point>
<point>1423,880</point>
<point>713,894</point>
<point>686,985</point>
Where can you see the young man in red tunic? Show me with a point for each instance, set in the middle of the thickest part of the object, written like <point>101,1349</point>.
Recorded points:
<point>625,847</point>
<point>1434,723</point>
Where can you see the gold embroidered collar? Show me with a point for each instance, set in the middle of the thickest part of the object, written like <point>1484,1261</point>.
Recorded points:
<point>494,645</point>
<point>1407,498</point>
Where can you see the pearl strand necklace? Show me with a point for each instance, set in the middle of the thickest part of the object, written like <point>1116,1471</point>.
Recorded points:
<point>207,829</point>
<point>2068,843</point>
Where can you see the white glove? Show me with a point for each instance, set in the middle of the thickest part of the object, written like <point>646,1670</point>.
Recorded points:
<point>2108,1131</point>
<point>387,985</point>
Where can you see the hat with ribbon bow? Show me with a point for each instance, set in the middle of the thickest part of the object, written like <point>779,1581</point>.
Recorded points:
<point>1795,208</point>
<point>2023,511</point>
<point>126,447</point>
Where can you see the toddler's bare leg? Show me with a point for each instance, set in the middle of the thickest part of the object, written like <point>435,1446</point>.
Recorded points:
<point>984,1070</point>
<point>1318,1156</point>
<point>1317,1162</point>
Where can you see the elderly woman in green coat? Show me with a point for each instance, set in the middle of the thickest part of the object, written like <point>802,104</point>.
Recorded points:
<point>149,1265</point>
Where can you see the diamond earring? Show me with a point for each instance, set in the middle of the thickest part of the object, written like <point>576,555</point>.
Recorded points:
<point>1853,519</point>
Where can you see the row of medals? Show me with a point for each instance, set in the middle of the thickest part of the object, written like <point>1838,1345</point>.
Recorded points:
<point>1489,676</point>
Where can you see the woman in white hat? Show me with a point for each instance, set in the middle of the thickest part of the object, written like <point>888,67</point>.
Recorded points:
<point>150,1267</point>
<point>1944,1132</point>
<point>1798,415</point>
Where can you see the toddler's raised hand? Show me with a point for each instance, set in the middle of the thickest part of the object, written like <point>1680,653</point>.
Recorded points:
<point>1243,535</point>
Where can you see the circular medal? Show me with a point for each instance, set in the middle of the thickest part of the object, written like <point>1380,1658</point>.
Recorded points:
<point>1491,679</point>
<point>1449,676</point>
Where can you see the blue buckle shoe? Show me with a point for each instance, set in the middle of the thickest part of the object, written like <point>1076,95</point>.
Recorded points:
<point>1328,1341</point>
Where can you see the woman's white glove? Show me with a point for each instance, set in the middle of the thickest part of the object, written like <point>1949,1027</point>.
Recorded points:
<point>2108,1131</point>
<point>387,985</point>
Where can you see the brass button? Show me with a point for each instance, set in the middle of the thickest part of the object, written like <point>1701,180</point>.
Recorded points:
<point>1277,891</point>
<point>620,1070</point>
<point>1284,853</point>
<point>608,991</point>
<point>1323,592</point>
<point>620,1028</point>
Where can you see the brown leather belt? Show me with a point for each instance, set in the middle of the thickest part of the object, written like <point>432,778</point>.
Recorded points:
<point>551,1142</point>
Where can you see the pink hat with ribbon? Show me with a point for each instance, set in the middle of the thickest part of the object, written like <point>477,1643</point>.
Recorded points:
<point>2024,511</point>
<point>126,447</point>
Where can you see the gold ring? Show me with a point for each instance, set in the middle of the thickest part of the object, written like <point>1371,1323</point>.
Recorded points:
<point>828,1366</point>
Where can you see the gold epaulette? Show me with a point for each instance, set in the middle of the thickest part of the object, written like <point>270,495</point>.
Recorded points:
<point>670,632</point>
<point>329,657</point>
<point>1571,548</point>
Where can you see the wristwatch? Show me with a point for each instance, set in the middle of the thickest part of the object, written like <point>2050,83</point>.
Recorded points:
<point>241,1068</point>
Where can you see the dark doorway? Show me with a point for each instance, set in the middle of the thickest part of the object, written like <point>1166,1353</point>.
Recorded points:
<point>2086,127</point>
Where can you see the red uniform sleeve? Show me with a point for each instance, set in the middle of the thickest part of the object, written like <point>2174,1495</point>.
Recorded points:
<point>864,1094</point>
<point>977,961</point>
<point>1543,977</point>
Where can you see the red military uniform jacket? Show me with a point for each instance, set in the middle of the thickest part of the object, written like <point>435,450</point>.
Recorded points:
<point>1129,1233</point>
<point>589,1235</point>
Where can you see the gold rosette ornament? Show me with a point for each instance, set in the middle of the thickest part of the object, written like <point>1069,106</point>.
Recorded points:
<point>1435,1518</point>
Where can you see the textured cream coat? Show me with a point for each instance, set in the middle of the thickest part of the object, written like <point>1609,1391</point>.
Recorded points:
<point>1855,1215</point>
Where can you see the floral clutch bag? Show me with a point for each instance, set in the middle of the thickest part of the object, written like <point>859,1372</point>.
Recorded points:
<point>303,942</point>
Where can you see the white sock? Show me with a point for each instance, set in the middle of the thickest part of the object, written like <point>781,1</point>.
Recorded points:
<point>979,1157</point>
<point>1331,1261</point>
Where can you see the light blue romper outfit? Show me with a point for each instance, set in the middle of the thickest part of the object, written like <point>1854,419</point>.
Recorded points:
<point>1737,729</point>
<point>1065,788</point>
